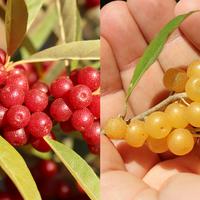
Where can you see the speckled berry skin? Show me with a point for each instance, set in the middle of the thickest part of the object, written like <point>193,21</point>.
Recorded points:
<point>95,149</point>
<point>3,111</point>
<point>36,100</point>
<point>40,125</point>
<point>90,77</point>
<point>18,116</point>
<point>60,87</point>
<point>2,56</point>
<point>82,119</point>
<point>17,137</point>
<point>19,81</point>
<point>17,71</point>
<point>11,95</point>
<point>80,97</point>
<point>60,111</point>
<point>48,168</point>
<point>92,134</point>
<point>94,107</point>
<point>41,86</point>
<point>3,75</point>
<point>40,144</point>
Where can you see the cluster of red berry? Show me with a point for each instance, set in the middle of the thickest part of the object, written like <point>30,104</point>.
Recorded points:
<point>50,182</point>
<point>27,111</point>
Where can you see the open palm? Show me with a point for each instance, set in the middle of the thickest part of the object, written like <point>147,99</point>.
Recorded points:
<point>126,30</point>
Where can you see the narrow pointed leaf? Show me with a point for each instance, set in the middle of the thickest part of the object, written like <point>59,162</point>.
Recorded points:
<point>53,72</point>
<point>15,167</point>
<point>33,7</point>
<point>81,50</point>
<point>153,50</point>
<point>16,24</point>
<point>78,167</point>
<point>68,14</point>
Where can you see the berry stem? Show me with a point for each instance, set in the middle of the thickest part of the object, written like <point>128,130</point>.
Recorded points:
<point>172,98</point>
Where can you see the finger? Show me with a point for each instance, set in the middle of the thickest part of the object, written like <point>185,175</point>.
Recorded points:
<point>177,51</point>
<point>191,26</point>
<point>112,93</point>
<point>122,33</point>
<point>164,170</point>
<point>128,44</point>
<point>118,185</point>
<point>110,158</point>
<point>182,186</point>
<point>138,161</point>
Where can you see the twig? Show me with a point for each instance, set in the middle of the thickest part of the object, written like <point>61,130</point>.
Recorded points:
<point>172,98</point>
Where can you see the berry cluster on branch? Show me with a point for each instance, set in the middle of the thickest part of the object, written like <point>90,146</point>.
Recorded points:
<point>173,124</point>
<point>29,109</point>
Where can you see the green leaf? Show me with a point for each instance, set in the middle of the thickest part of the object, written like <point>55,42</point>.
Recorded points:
<point>81,50</point>
<point>38,36</point>
<point>33,7</point>
<point>54,72</point>
<point>78,167</point>
<point>153,50</point>
<point>16,24</point>
<point>68,17</point>
<point>15,167</point>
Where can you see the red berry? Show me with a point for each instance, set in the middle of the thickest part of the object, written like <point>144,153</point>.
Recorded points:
<point>17,137</point>
<point>82,119</point>
<point>11,95</point>
<point>40,124</point>
<point>92,3</point>
<point>79,97</point>
<point>41,86</point>
<point>18,116</point>
<point>66,126</point>
<point>92,134</point>
<point>29,71</point>
<point>2,56</point>
<point>16,71</point>
<point>63,190</point>
<point>3,111</point>
<point>94,107</point>
<point>41,145</point>
<point>3,75</point>
<point>60,111</point>
<point>48,168</point>
<point>36,100</point>
<point>90,77</point>
<point>5,196</point>
<point>61,86</point>
<point>18,80</point>
<point>74,76</point>
<point>95,149</point>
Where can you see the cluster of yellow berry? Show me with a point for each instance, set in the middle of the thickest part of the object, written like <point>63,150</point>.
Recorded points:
<point>173,129</point>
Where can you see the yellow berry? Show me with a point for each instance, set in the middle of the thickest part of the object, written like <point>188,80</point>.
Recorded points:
<point>176,114</point>
<point>193,114</point>
<point>135,134</point>
<point>115,128</point>
<point>157,125</point>
<point>175,79</point>
<point>194,69</point>
<point>180,141</point>
<point>157,145</point>
<point>192,88</point>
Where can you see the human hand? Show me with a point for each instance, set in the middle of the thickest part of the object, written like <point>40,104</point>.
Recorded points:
<point>126,29</point>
